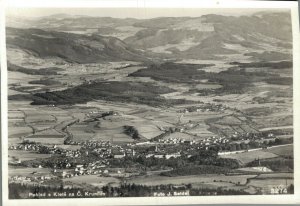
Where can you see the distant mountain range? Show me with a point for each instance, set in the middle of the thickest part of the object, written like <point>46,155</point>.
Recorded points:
<point>71,47</point>
<point>264,36</point>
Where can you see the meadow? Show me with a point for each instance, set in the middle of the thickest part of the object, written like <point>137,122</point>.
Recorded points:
<point>250,156</point>
<point>192,179</point>
<point>28,172</point>
<point>23,155</point>
<point>94,180</point>
<point>284,150</point>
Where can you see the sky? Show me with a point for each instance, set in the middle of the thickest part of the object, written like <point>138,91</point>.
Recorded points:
<point>130,12</point>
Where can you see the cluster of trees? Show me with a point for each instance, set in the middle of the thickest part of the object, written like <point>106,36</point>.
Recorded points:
<point>42,71</point>
<point>172,72</point>
<point>234,80</point>
<point>252,144</point>
<point>210,157</point>
<point>208,160</point>
<point>47,82</point>
<point>142,93</point>
<point>148,163</point>
<point>280,80</point>
<point>279,141</point>
<point>290,189</point>
<point>273,65</point>
<point>132,132</point>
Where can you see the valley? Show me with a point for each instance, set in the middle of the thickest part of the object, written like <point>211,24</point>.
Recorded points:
<point>133,107</point>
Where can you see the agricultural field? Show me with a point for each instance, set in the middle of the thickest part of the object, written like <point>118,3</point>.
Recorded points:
<point>16,114</point>
<point>22,155</point>
<point>246,157</point>
<point>46,140</point>
<point>193,179</point>
<point>199,116</point>
<point>28,172</point>
<point>79,134</point>
<point>250,183</point>
<point>101,131</point>
<point>27,59</point>
<point>201,131</point>
<point>36,116</point>
<point>42,125</point>
<point>19,132</point>
<point>111,128</point>
<point>276,175</point>
<point>285,150</point>
<point>49,133</point>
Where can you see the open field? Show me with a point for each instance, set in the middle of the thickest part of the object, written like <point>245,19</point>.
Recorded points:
<point>199,116</point>
<point>27,59</point>
<point>285,150</point>
<point>49,136</point>
<point>107,132</point>
<point>37,116</point>
<point>180,135</point>
<point>41,126</point>
<point>22,155</point>
<point>250,156</point>
<point>14,141</point>
<point>114,135</point>
<point>46,141</point>
<point>17,78</point>
<point>112,128</point>
<point>15,114</point>
<point>193,179</point>
<point>79,134</point>
<point>201,131</point>
<point>276,175</point>
<point>49,133</point>
<point>94,180</point>
<point>28,172</point>
<point>145,127</point>
<point>208,86</point>
<point>19,132</point>
<point>263,182</point>
<point>277,128</point>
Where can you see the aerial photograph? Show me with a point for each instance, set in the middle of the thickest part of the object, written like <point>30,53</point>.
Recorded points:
<point>111,102</point>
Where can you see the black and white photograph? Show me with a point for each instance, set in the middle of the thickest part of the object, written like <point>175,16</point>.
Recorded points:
<point>156,102</point>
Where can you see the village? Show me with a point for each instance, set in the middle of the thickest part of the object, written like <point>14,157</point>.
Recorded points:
<point>94,157</point>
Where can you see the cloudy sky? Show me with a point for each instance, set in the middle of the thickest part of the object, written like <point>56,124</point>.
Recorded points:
<point>130,12</point>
